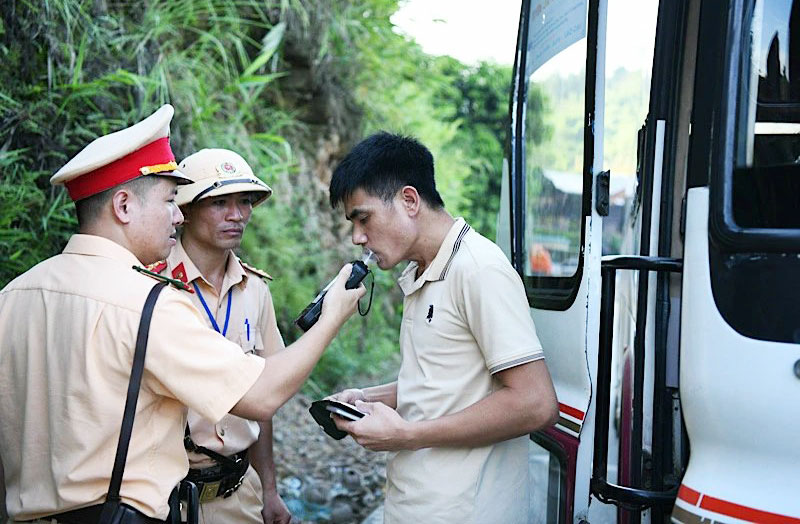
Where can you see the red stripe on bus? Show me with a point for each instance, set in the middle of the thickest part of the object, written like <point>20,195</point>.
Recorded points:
<point>573,412</point>
<point>743,512</point>
<point>732,509</point>
<point>689,495</point>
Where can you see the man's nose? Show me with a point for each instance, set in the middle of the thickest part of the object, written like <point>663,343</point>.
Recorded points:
<point>177,216</point>
<point>235,213</point>
<point>359,238</point>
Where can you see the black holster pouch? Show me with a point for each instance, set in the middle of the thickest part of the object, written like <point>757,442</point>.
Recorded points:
<point>188,492</point>
<point>114,512</point>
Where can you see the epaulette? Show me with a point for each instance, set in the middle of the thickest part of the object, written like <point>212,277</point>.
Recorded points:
<point>157,267</point>
<point>177,283</point>
<point>255,270</point>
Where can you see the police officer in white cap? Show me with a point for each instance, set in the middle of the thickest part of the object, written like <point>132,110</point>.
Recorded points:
<point>235,301</point>
<point>68,328</point>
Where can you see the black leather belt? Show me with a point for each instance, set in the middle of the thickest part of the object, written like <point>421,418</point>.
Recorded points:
<point>220,480</point>
<point>91,514</point>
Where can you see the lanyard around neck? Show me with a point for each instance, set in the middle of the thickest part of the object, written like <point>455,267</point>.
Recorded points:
<point>208,311</point>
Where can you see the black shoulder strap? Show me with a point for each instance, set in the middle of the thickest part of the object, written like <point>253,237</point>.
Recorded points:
<point>133,393</point>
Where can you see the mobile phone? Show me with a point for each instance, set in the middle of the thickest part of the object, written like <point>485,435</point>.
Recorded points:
<point>323,410</point>
<point>344,410</point>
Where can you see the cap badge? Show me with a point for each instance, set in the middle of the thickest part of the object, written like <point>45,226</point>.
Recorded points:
<point>226,169</point>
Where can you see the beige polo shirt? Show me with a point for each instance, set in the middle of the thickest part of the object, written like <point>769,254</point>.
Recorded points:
<point>464,319</point>
<point>68,327</point>
<point>251,325</point>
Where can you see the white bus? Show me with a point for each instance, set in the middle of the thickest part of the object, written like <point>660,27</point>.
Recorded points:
<point>673,339</point>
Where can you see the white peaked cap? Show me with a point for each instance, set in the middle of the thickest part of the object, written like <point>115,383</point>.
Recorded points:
<point>108,161</point>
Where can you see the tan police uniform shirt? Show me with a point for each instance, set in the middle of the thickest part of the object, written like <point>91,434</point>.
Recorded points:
<point>464,319</point>
<point>69,328</point>
<point>251,325</point>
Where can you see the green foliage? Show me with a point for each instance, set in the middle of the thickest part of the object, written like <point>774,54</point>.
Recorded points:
<point>289,84</point>
<point>33,220</point>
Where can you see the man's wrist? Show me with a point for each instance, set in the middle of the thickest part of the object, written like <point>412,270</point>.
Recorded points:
<point>412,435</point>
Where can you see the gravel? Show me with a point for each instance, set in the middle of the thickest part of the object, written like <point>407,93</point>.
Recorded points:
<point>321,479</point>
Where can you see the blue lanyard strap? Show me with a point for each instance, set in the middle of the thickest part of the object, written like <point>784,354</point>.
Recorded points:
<point>208,311</point>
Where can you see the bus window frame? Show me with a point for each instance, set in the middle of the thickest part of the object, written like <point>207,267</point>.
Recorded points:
<point>546,292</point>
<point>722,226</point>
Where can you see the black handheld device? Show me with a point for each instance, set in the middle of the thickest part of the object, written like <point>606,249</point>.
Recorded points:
<point>311,313</point>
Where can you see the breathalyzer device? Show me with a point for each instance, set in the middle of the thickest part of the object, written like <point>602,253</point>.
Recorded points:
<point>311,313</point>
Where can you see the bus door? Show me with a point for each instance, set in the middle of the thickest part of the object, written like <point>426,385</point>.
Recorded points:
<point>552,232</point>
<point>574,151</point>
<point>740,335</point>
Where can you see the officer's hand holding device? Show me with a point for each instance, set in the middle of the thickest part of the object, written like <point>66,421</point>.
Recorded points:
<point>311,313</point>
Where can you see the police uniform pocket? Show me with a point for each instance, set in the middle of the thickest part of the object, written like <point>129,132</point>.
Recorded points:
<point>250,340</point>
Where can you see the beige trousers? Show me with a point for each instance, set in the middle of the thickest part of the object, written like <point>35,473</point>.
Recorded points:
<point>243,507</point>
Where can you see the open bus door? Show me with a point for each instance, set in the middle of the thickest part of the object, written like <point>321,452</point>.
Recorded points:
<point>551,230</point>
<point>557,193</point>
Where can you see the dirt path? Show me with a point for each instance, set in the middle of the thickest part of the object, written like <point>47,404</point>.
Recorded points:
<point>322,479</point>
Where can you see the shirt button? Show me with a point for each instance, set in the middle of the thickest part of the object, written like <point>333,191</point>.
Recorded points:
<point>222,432</point>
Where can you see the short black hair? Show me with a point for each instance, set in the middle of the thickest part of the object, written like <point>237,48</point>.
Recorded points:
<point>381,165</point>
<point>90,208</point>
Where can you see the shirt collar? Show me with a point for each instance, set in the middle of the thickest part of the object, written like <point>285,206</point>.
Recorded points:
<point>437,269</point>
<point>93,245</point>
<point>182,268</point>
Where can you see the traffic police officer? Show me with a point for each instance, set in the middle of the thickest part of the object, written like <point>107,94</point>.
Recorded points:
<point>68,327</point>
<point>236,301</point>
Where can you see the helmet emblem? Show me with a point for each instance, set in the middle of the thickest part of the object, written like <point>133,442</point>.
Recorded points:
<point>226,169</point>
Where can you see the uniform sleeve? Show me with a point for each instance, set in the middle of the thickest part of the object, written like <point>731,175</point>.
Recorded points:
<point>498,315</point>
<point>194,364</point>
<point>268,324</point>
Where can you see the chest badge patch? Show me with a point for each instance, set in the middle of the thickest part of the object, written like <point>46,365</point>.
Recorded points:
<point>430,313</point>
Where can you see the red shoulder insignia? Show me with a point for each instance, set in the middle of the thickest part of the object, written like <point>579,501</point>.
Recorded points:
<point>177,283</point>
<point>255,270</point>
<point>179,272</point>
<point>157,267</point>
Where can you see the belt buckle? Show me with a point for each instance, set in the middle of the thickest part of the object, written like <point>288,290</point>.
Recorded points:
<point>209,491</point>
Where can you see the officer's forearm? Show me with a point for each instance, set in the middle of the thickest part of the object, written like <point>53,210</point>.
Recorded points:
<point>261,457</point>
<point>285,372</point>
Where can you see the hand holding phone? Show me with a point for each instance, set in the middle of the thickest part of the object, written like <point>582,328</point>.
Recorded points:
<point>321,410</point>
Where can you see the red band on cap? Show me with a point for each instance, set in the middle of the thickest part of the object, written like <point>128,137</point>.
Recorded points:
<point>121,170</point>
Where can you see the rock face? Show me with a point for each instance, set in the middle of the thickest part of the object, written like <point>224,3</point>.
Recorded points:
<point>321,479</point>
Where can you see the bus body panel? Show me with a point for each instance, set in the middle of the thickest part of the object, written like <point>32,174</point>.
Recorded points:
<point>744,434</point>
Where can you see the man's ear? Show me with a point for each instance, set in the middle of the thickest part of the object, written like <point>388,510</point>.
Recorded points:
<point>411,200</point>
<point>123,204</point>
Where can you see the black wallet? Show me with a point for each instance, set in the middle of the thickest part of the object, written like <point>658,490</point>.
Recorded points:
<point>321,411</point>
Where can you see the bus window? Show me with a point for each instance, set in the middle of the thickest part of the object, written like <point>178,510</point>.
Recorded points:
<point>554,127</point>
<point>630,40</point>
<point>755,225</point>
<point>766,177</point>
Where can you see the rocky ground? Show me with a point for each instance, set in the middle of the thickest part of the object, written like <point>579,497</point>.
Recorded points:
<point>321,479</point>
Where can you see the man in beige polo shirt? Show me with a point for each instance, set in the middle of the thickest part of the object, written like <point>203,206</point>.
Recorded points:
<point>68,327</point>
<point>235,301</point>
<point>473,382</point>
